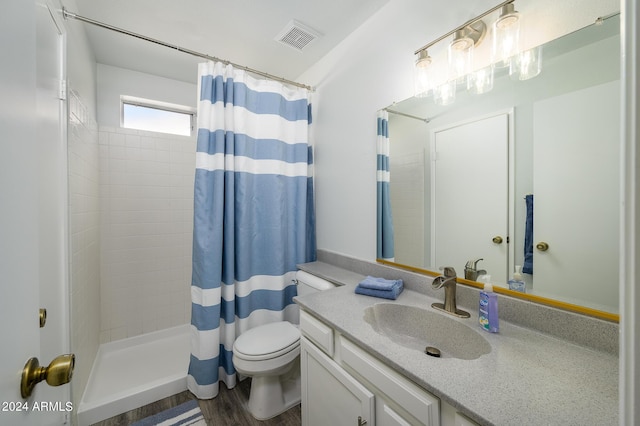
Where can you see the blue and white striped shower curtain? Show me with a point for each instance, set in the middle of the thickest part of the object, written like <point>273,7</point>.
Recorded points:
<point>253,214</point>
<point>385,245</point>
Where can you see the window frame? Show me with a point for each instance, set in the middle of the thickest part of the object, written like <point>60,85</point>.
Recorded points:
<point>161,106</point>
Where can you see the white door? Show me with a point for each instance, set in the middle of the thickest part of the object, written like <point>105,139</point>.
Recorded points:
<point>32,225</point>
<point>470,196</point>
<point>576,195</point>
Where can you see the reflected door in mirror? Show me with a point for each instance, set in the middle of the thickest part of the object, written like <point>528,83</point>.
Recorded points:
<point>470,195</point>
<point>576,168</point>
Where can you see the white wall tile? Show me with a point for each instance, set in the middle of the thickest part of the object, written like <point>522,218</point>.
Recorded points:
<point>84,247</point>
<point>147,199</point>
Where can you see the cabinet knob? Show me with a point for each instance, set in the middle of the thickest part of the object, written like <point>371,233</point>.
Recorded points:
<point>497,240</point>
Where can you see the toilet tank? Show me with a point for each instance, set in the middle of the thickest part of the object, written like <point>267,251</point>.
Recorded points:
<point>308,283</point>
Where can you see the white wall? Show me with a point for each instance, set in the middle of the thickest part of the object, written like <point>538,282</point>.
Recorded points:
<point>373,68</point>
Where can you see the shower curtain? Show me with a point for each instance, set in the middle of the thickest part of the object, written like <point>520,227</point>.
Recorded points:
<point>385,245</point>
<point>253,214</point>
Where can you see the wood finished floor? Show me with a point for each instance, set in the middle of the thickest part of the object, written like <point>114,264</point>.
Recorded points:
<point>229,408</point>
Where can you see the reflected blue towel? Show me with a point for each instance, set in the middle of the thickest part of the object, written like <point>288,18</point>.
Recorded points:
<point>386,289</point>
<point>527,267</point>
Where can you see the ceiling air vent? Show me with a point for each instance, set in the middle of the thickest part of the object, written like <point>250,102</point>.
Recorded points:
<point>297,35</point>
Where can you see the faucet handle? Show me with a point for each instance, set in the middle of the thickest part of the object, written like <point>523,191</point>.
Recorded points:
<point>449,271</point>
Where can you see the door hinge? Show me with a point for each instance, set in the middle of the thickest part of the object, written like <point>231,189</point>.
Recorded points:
<point>62,94</point>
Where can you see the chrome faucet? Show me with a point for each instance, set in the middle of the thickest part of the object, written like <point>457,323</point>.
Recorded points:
<point>448,281</point>
<point>471,271</point>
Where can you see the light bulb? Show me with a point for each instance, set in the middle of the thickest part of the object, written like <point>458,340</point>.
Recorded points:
<point>506,35</point>
<point>460,55</point>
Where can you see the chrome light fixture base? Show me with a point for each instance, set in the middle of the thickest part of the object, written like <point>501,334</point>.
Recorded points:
<point>474,32</point>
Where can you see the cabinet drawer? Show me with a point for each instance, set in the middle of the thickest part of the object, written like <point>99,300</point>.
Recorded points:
<point>415,400</point>
<point>317,332</point>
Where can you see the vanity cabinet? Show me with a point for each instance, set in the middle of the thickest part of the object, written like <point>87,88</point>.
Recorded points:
<point>342,385</point>
<point>336,397</point>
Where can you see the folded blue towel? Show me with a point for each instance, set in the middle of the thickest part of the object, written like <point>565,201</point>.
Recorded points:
<point>391,293</point>
<point>375,283</point>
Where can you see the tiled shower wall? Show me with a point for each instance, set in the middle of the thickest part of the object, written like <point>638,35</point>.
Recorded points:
<point>84,245</point>
<point>146,197</point>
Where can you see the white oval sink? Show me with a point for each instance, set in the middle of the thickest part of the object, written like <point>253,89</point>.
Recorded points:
<point>418,328</point>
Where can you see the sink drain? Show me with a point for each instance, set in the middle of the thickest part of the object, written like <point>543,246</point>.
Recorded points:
<point>431,351</point>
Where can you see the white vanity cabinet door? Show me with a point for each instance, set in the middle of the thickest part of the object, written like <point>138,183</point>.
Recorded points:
<point>330,396</point>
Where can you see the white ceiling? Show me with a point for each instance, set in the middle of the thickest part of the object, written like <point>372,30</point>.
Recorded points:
<point>241,31</point>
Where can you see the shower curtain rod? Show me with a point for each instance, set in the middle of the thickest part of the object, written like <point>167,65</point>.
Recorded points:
<point>66,14</point>
<point>426,120</point>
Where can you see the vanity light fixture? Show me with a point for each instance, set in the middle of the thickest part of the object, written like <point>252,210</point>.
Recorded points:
<point>506,35</point>
<point>422,71</point>
<point>505,52</point>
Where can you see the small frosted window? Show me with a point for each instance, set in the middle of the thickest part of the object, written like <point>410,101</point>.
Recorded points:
<point>143,117</point>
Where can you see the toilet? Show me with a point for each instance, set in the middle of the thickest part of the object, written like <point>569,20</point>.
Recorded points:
<point>270,355</point>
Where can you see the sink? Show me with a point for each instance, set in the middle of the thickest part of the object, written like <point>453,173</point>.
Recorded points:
<point>417,328</point>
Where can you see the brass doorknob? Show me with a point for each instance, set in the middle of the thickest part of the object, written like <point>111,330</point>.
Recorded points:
<point>497,240</point>
<point>542,246</point>
<point>57,373</point>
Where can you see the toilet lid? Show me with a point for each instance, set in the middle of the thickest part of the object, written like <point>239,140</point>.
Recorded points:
<point>268,340</point>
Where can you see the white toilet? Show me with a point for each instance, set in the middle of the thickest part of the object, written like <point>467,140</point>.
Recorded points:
<point>270,355</point>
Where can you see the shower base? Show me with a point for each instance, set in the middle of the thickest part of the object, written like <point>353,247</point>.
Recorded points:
<point>134,372</point>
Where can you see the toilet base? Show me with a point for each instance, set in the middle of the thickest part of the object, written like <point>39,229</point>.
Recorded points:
<point>273,395</point>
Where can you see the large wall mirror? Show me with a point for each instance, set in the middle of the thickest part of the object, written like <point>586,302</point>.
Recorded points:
<point>466,178</point>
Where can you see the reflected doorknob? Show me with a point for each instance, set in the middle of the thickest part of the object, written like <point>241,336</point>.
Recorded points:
<point>497,239</point>
<point>542,246</point>
<point>43,317</point>
<point>57,373</point>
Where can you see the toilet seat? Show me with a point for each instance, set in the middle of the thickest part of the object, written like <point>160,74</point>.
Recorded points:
<point>267,341</point>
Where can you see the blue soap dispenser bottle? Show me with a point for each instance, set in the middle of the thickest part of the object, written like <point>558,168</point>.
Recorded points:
<point>488,309</point>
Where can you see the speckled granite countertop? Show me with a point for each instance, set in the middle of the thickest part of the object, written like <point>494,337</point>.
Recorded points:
<point>528,378</point>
